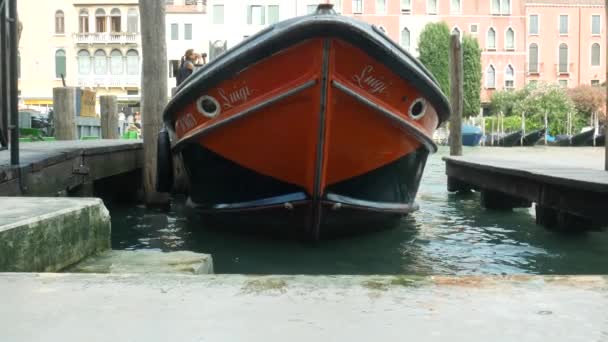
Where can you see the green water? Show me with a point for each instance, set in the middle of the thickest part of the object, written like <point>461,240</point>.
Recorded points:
<point>449,235</point>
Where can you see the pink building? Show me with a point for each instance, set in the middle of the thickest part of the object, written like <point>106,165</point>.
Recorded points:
<point>383,13</point>
<point>565,41</point>
<point>558,41</point>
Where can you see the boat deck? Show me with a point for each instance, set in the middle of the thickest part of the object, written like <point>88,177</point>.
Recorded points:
<point>563,182</point>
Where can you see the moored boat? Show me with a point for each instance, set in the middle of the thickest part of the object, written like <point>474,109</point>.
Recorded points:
<point>471,135</point>
<point>315,124</point>
<point>532,138</point>
<point>582,138</point>
<point>509,140</point>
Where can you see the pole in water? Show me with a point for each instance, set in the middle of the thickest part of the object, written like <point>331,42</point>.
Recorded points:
<point>456,71</point>
<point>13,76</point>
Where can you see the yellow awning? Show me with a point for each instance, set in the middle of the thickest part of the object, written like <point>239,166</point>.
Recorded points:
<point>32,102</point>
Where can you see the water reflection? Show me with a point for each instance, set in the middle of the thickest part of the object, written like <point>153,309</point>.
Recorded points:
<point>451,234</point>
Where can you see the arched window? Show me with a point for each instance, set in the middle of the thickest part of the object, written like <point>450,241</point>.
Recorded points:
<point>59,22</point>
<point>563,58</point>
<point>83,21</point>
<point>100,20</point>
<point>510,39</point>
<point>505,7</point>
<point>101,63</point>
<point>509,77</point>
<point>132,21</point>
<point>405,39</point>
<point>84,62</point>
<point>116,65</point>
<point>491,43</point>
<point>115,18</point>
<point>495,7</point>
<point>491,77</point>
<point>533,58</point>
<point>132,62</point>
<point>60,63</point>
<point>431,6</point>
<point>455,6</point>
<point>595,54</point>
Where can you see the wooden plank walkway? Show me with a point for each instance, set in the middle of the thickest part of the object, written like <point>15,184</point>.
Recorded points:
<point>52,168</point>
<point>568,185</point>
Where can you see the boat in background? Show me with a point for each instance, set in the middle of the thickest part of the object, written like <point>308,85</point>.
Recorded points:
<point>316,125</point>
<point>471,135</point>
<point>532,138</point>
<point>509,140</point>
<point>582,138</point>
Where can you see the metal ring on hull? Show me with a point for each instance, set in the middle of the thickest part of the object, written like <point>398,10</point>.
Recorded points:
<point>427,142</point>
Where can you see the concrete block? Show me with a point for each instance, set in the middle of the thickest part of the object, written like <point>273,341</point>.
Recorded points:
<point>49,234</point>
<point>146,261</point>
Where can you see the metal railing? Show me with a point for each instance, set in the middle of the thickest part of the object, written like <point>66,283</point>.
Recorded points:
<point>106,38</point>
<point>109,81</point>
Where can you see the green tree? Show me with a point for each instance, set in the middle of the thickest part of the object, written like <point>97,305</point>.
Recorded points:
<point>434,52</point>
<point>550,102</point>
<point>471,54</point>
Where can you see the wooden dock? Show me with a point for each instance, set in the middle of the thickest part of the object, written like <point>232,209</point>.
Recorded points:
<point>568,185</point>
<point>56,168</point>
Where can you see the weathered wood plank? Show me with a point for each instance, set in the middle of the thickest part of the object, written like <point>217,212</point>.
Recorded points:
<point>54,168</point>
<point>564,182</point>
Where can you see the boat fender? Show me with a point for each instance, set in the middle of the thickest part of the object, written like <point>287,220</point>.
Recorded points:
<point>208,106</point>
<point>418,109</point>
<point>164,162</point>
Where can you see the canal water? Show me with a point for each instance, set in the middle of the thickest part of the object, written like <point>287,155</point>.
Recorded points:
<point>449,235</point>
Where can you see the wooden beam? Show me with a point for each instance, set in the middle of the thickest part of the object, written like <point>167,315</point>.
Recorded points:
<point>153,91</point>
<point>456,73</point>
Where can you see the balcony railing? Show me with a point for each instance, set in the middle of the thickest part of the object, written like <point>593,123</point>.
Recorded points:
<point>532,71</point>
<point>564,69</point>
<point>110,81</point>
<point>107,38</point>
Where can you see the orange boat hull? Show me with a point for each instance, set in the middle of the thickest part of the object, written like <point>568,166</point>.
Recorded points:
<point>318,127</point>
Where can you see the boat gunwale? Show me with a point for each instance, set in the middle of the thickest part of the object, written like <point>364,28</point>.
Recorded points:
<point>424,139</point>
<point>203,130</point>
<point>290,32</point>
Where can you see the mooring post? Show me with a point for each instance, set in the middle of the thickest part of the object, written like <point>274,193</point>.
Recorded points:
<point>13,71</point>
<point>109,116</point>
<point>606,114</point>
<point>153,91</point>
<point>64,103</point>
<point>456,96</point>
<point>3,81</point>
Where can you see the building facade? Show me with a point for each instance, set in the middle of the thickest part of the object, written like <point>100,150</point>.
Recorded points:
<point>96,44</point>
<point>566,42</point>
<point>88,44</point>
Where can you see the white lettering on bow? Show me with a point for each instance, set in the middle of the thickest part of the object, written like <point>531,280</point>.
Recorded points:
<point>240,95</point>
<point>366,80</point>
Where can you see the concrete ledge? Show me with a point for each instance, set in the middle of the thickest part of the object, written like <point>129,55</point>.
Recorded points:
<point>49,234</point>
<point>146,261</point>
<point>68,307</point>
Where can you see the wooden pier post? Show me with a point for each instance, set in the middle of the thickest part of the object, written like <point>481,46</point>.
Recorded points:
<point>109,116</point>
<point>457,90</point>
<point>64,103</point>
<point>153,91</point>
